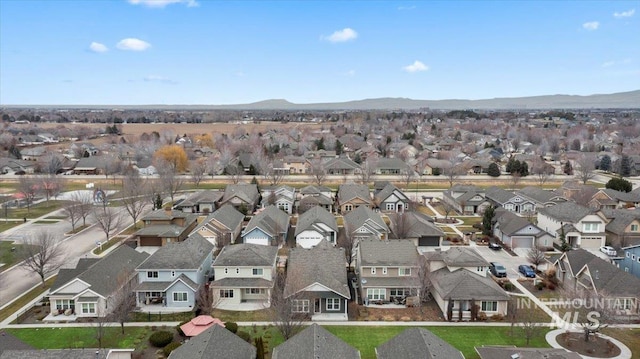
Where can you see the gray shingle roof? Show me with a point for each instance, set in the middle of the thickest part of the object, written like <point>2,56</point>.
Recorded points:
<point>399,252</point>
<point>323,264</point>
<point>55,354</point>
<point>163,286</point>
<point>391,164</point>
<point>215,343</point>
<point>419,224</point>
<point>568,212</point>
<point>206,196</point>
<point>104,275</point>
<point>242,283</point>
<point>348,192</point>
<point>9,342</point>
<point>510,223</point>
<point>310,190</point>
<point>464,285</point>
<point>387,191</point>
<point>313,216</point>
<point>622,196</point>
<point>498,194</point>
<point>417,343</point>
<point>525,353</point>
<point>271,221</point>
<point>188,254</point>
<point>459,257</point>
<point>606,277</point>
<point>361,215</point>
<point>227,215</point>
<point>340,163</point>
<point>246,192</point>
<point>246,254</point>
<point>162,214</point>
<point>620,219</point>
<point>538,194</point>
<point>67,274</point>
<point>315,342</point>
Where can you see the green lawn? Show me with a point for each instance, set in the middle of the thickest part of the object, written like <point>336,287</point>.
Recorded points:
<point>8,225</point>
<point>36,210</point>
<point>82,337</point>
<point>110,243</point>
<point>7,256</point>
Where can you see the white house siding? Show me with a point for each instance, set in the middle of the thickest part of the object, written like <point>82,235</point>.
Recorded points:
<point>591,242</point>
<point>256,236</point>
<point>308,239</point>
<point>241,272</point>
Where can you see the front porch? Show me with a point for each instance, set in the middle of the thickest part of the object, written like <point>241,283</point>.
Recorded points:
<point>159,308</point>
<point>245,306</point>
<point>60,318</point>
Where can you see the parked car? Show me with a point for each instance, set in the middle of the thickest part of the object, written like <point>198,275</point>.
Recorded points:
<point>495,246</point>
<point>498,270</point>
<point>608,250</point>
<point>526,271</point>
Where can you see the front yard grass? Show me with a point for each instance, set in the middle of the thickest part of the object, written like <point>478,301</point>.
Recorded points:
<point>81,337</point>
<point>110,243</point>
<point>9,254</point>
<point>8,225</point>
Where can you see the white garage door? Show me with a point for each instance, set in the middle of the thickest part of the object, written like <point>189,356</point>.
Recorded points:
<point>521,242</point>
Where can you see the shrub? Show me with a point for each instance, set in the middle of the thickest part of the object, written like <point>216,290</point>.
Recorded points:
<point>540,286</point>
<point>161,338</point>
<point>231,326</point>
<point>508,286</point>
<point>551,286</point>
<point>244,335</point>
<point>482,316</point>
<point>179,330</point>
<point>497,317</point>
<point>169,348</point>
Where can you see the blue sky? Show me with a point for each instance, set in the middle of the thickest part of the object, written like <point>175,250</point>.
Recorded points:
<point>225,52</point>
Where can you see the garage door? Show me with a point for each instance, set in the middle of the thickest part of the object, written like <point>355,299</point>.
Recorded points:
<point>428,241</point>
<point>521,242</point>
<point>150,241</point>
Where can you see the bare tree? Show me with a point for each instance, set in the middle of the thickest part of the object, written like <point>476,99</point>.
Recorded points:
<point>28,188</point>
<point>536,256</point>
<point>591,311</point>
<point>585,169</point>
<point>402,224</point>
<point>271,173</point>
<point>452,170</point>
<point>284,314</point>
<point>541,171</point>
<point>234,172</point>
<point>529,325</point>
<point>84,204</point>
<point>367,170</point>
<point>515,179</point>
<point>169,179</point>
<point>198,171</point>
<point>422,280</point>
<point>348,241</point>
<point>447,208</point>
<point>42,254</point>
<point>100,326</point>
<point>51,163</point>
<point>134,193</point>
<point>318,171</point>
<point>50,186</point>
<point>206,300</point>
<point>123,301</point>
<point>407,175</point>
<point>108,219</point>
<point>111,165</point>
<point>72,211</point>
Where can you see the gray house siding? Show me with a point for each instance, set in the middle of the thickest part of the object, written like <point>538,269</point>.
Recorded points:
<point>180,287</point>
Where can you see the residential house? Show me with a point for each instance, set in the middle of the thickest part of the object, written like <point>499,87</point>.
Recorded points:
<point>33,153</point>
<point>391,199</point>
<point>84,149</point>
<point>391,166</point>
<point>13,166</point>
<point>432,166</point>
<point>312,196</point>
<point>245,197</point>
<point>459,281</point>
<point>85,353</point>
<point>94,165</point>
<point>341,166</point>
<point>541,197</point>
<point>517,232</point>
<point>244,276</point>
<point>623,227</point>
<point>512,202</point>
<point>268,227</point>
<point>317,281</point>
<point>476,166</point>
<point>352,196</point>
<point>164,226</point>
<point>607,198</point>
<point>221,227</point>
<point>576,191</point>
<point>88,289</point>
<point>173,275</point>
<point>389,270</point>
<point>466,199</point>
<point>315,225</point>
<point>579,270</point>
<point>317,343</point>
<point>417,343</point>
<point>296,164</point>
<point>216,342</point>
<point>48,137</point>
<point>200,202</point>
<point>630,260</point>
<point>581,226</point>
<point>418,228</point>
<point>363,223</point>
<point>320,154</point>
<point>282,196</point>
<point>502,352</point>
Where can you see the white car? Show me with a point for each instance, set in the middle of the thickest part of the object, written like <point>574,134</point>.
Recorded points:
<point>608,250</point>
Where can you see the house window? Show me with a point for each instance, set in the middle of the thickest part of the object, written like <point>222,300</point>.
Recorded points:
<point>62,304</point>
<point>390,206</point>
<point>634,228</point>
<point>404,271</point>
<point>373,270</point>
<point>384,270</point>
<point>376,293</point>
<point>300,306</point>
<point>88,308</point>
<point>254,291</point>
<point>479,269</point>
<point>591,227</point>
<point>152,274</point>
<point>173,273</point>
<point>348,207</point>
<point>628,254</point>
<point>257,271</point>
<point>633,257</point>
<point>333,303</point>
<point>226,293</point>
<point>399,292</point>
<point>491,306</point>
<point>180,296</point>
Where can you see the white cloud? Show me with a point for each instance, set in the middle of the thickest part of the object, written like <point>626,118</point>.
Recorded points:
<point>628,13</point>
<point>591,25</point>
<point>133,44</point>
<point>156,78</point>
<point>350,73</point>
<point>98,47</point>
<point>346,34</point>
<point>163,3</point>
<point>416,66</point>
<point>616,63</point>
<point>608,64</point>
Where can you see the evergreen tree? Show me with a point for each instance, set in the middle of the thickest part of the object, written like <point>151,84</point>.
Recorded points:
<point>625,166</point>
<point>568,168</point>
<point>619,184</point>
<point>605,163</point>
<point>339,147</point>
<point>494,170</point>
<point>487,219</point>
<point>157,204</point>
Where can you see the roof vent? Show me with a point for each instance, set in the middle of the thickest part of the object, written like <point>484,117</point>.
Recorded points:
<point>597,274</point>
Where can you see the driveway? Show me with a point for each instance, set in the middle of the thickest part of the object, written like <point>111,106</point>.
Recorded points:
<point>504,258</point>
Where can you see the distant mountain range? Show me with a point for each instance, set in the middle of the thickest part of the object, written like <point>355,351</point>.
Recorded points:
<point>620,100</point>
<point>616,100</point>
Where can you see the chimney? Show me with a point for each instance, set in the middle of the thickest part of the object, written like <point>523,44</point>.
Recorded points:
<point>167,210</point>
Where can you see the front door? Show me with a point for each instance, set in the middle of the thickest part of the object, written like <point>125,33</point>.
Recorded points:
<point>316,306</point>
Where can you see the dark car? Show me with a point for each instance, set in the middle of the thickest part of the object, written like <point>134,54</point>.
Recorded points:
<point>495,246</point>
<point>498,270</point>
<point>526,271</point>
